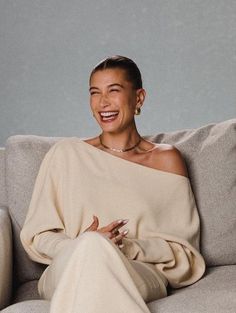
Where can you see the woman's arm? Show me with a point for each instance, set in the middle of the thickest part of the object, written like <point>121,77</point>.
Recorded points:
<point>43,233</point>
<point>174,250</point>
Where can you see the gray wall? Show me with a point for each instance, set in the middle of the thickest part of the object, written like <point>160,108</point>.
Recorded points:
<point>186,50</point>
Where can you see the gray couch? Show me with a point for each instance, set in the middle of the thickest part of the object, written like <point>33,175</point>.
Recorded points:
<point>210,153</point>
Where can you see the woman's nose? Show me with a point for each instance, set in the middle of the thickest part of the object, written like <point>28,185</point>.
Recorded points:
<point>104,101</point>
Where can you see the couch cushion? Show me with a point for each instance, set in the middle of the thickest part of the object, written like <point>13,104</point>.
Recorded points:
<point>24,155</point>
<point>210,154</point>
<point>5,258</point>
<point>215,293</point>
<point>3,196</point>
<point>32,306</point>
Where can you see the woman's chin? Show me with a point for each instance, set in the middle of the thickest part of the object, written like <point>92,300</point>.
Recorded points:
<point>109,129</point>
<point>110,126</point>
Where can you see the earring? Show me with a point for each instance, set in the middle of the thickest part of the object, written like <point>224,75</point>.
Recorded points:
<point>137,111</point>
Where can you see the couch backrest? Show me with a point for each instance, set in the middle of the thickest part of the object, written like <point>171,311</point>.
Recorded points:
<point>24,155</point>
<point>3,195</point>
<point>210,154</point>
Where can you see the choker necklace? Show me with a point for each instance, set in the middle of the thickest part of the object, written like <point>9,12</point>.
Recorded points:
<point>119,150</point>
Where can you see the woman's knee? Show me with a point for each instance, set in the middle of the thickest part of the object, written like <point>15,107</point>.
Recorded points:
<point>88,244</point>
<point>91,237</point>
<point>94,240</point>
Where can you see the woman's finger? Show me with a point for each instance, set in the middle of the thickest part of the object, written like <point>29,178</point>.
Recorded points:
<point>95,219</point>
<point>118,239</point>
<point>112,227</point>
<point>94,225</point>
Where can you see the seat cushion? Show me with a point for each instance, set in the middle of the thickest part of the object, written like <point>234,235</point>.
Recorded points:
<point>215,293</point>
<point>31,306</point>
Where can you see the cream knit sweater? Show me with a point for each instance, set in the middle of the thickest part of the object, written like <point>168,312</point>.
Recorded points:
<point>77,180</point>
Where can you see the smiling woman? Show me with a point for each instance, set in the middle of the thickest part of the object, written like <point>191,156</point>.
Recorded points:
<point>95,266</point>
<point>113,100</point>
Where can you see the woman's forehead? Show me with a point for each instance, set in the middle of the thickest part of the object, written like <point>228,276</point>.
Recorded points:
<point>108,77</point>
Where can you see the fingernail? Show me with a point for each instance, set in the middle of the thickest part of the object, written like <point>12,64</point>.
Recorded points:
<point>125,232</point>
<point>121,246</point>
<point>125,221</point>
<point>120,221</point>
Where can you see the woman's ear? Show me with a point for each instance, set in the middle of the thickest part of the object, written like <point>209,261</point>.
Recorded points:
<point>141,94</point>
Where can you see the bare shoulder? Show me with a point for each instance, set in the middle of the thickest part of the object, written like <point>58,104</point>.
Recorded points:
<point>93,141</point>
<point>168,158</point>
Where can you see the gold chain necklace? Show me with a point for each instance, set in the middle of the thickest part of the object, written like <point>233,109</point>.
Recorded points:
<point>119,150</point>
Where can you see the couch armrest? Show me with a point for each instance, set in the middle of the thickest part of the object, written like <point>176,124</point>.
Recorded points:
<point>5,258</point>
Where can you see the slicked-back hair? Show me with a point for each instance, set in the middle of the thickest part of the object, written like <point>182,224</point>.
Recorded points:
<point>131,69</point>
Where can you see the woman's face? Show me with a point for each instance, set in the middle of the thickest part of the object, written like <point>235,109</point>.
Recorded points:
<point>113,99</point>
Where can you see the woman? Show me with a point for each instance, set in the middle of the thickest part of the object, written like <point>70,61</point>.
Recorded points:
<point>87,191</point>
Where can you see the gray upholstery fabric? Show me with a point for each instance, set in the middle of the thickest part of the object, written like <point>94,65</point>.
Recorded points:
<point>3,196</point>
<point>27,291</point>
<point>215,293</point>
<point>35,306</point>
<point>210,153</point>
<point>23,158</point>
<point>5,258</point>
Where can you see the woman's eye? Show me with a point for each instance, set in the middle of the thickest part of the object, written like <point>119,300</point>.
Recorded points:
<point>114,90</point>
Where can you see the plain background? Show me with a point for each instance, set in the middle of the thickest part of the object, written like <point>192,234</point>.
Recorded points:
<point>186,51</point>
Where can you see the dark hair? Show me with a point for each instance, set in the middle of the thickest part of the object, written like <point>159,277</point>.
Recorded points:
<point>129,66</point>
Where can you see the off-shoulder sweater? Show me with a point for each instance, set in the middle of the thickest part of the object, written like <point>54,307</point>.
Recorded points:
<point>77,180</point>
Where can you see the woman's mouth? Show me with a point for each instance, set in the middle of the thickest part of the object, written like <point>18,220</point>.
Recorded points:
<point>108,116</point>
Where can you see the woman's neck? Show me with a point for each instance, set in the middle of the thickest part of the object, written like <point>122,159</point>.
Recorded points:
<point>122,140</point>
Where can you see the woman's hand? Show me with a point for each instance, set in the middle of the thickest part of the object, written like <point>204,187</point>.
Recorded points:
<point>111,230</point>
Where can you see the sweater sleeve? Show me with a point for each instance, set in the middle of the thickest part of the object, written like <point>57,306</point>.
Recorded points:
<point>43,233</point>
<point>174,247</point>
<point>180,265</point>
<point>149,250</point>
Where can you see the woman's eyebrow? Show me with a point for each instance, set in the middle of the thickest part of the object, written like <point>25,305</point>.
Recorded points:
<point>116,84</point>
<point>109,86</point>
<point>93,88</point>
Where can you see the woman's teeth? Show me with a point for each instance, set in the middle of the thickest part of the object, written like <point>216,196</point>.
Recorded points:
<point>108,115</point>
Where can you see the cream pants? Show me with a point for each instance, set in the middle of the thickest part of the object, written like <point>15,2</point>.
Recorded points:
<point>92,275</point>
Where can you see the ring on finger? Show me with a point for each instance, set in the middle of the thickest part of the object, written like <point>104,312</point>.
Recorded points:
<point>115,232</point>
